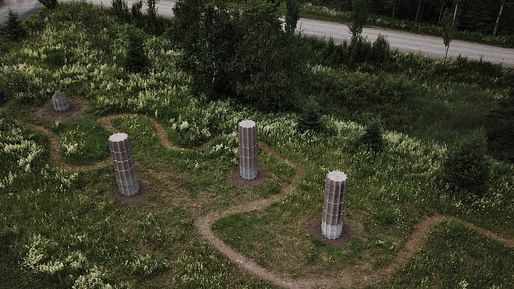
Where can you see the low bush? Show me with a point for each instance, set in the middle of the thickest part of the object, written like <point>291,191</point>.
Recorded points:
<point>465,169</point>
<point>310,117</point>
<point>372,137</point>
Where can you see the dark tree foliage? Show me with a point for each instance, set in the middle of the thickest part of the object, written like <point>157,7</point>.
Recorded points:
<point>380,52</point>
<point>244,54</point>
<point>500,126</point>
<point>50,4</point>
<point>293,9</point>
<point>359,17</point>
<point>449,29</point>
<point>136,60</point>
<point>154,23</point>
<point>13,28</point>
<point>136,11</point>
<point>465,168</point>
<point>372,137</point>
<point>120,9</point>
<point>266,68</point>
<point>208,43</point>
<point>473,15</point>
<point>310,117</point>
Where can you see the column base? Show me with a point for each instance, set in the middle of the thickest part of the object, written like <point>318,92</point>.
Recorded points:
<point>331,232</point>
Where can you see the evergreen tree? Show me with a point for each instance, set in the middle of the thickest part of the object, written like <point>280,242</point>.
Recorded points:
<point>120,9</point>
<point>293,8</point>
<point>373,137</point>
<point>50,4</point>
<point>310,117</point>
<point>449,30</point>
<point>136,60</point>
<point>136,11</point>
<point>13,28</point>
<point>465,168</point>
<point>500,126</point>
<point>359,17</point>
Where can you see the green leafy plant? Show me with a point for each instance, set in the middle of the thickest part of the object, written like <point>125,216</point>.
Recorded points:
<point>372,137</point>
<point>310,117</point>
<point>500,125</point>
<point>49,4</point>
<point>136,60</point>
<point>13,28</point>
<point>293,9</point>
<point>465,168</point>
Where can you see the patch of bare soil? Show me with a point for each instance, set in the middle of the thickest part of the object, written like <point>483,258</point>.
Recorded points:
<point>349,230</point>
<point>77,107</point>
<point>142,195</point>
<point>238,181</point>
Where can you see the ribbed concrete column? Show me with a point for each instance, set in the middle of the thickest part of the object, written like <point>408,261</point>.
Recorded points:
<point>333,207</point>
<point>124,166</point>
<point>247,149</point>
<point>60,102</point>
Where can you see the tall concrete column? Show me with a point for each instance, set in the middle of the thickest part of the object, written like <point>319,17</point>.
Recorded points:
<point>334,205</point>
<point>248,149</point>
<point>60,102</point>
<point>124,166</point>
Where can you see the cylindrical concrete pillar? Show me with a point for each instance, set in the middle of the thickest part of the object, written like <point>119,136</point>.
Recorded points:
<point>333,207</point>
<point>248,149</point>
<point>124,166</point>
<point>60,102</point>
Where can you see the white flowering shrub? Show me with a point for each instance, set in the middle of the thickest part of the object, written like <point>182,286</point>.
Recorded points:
<point>69,145</point>
<point>146,265</point>
<point>20,155</point>
<point>44,259</point>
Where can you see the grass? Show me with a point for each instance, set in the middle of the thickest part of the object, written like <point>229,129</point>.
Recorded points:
<point>75,219</point>
<point>82,142</point>
<point>455,257</point>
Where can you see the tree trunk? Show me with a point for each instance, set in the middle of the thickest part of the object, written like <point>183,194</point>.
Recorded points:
<point>455,12</point>
<point>394,9</point>
<point>498,18</point>
<point>440,14</point>
<point>418,11</point>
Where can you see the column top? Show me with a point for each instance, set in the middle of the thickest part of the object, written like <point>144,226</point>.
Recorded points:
<point>337,176</point>
<point>118,137</point>
<point>247,123</point>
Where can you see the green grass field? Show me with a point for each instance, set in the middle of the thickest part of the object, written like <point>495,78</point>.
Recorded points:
<point>63,224</point>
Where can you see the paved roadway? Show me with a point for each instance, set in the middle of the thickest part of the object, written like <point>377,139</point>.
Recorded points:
<point>403,41</point>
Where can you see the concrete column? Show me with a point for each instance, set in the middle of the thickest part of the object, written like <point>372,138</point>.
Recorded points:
<point>248,149</point>
<point>60,102</point>
<point>124,166</point>
<point>333,207</point>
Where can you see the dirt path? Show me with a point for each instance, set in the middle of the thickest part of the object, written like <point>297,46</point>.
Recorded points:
<point>204,224</point>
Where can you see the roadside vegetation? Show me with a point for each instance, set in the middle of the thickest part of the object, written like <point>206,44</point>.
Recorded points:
<point>410,132</point>
<point>475,20</point>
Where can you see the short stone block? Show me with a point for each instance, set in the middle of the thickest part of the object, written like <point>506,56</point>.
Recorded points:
<point>60,102</point>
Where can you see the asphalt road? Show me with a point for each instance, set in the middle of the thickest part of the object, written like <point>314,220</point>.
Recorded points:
<point>403,41</point>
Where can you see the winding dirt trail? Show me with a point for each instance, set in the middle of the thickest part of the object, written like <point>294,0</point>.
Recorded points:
<point>204,224</point>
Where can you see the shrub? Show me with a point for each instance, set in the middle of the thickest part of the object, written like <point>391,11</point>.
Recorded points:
<point>373,137</point>
<point>136,60</point>
<point>310,117</point>
<point>120,9</point>
<point>13,28</point>
<point>500,125</point>
<point>267,66</point>
<point>381,51</point>
<point>293,8</point>
<point>136,11</point>
<point>244,54</point>
<point>50,4</point>
<point>465,168</point>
